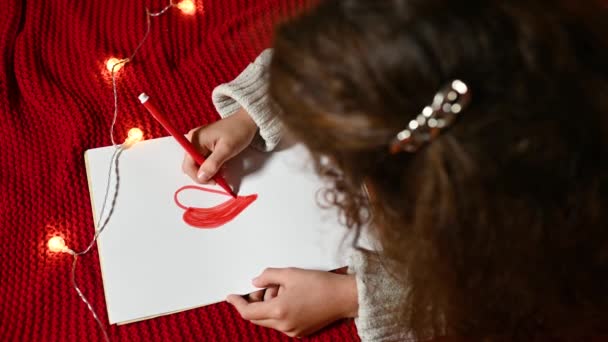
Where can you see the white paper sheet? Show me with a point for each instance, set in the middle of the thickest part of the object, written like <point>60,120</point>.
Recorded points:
<point>154,264</point>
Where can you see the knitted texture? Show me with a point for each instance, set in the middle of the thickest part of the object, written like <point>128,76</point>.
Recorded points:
<point>56,102</point>
<point>250,91</point>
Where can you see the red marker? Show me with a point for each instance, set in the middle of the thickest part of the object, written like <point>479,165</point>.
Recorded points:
<point>181,139</point>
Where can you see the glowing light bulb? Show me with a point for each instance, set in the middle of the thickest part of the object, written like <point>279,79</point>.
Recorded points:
<point>115,63</point>
<point>187,7</point>
<point>56,244</point>
<point>134,136</point>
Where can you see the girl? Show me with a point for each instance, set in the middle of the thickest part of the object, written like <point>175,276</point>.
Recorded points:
<point>479,130</point>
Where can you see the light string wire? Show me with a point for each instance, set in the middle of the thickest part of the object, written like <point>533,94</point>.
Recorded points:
<point>127,60</point>
<point>114,164</point>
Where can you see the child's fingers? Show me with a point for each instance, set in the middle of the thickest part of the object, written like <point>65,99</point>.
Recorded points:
<point>199,140</point>
<point>263,295</point>
<point>189,167</point>
<point>250,311</point>
<point>270,276</point>
<point>271,292</point>
<point>214,162</point>
<point>256,296</point>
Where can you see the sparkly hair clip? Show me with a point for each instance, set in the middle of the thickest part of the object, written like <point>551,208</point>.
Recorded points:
<point>447,103</point>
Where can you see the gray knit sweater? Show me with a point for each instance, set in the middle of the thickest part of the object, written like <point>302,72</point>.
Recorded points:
<point>378,292</point>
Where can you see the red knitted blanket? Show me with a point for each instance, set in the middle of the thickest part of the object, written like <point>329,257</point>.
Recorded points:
<point>56,102</point>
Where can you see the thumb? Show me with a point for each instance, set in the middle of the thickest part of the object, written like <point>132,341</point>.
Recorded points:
<point>270,276</point>
<point>213,163</point>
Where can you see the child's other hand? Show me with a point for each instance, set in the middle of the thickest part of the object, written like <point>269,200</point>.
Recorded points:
<point>300,301</point>
<point>219,142</point>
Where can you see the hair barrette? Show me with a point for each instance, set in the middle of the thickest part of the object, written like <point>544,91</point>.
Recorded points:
<point>448,102</point>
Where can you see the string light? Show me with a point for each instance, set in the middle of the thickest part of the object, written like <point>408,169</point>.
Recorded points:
<point>134,136</point>
<point>114,64</point>
<point>56,244</point>
<point>187,7</point>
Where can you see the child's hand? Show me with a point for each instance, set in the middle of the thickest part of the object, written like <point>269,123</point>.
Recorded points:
<point>300,301</point>
<point>219,142</point>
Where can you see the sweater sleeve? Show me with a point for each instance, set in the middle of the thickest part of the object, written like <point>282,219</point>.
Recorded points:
<point>250,91</point>
<point>379,298</point>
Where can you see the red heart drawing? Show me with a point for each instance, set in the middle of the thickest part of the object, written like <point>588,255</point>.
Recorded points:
<point>217,216</point>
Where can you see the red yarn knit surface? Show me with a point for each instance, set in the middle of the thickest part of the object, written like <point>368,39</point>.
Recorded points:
<point>56,102</point>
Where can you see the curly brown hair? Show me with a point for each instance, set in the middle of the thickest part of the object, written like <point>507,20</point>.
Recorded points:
<point>499,227</point>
